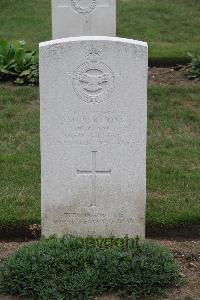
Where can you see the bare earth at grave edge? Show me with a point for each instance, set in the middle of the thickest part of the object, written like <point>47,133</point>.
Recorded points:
<point>170,76</point>
<point>187,253</point>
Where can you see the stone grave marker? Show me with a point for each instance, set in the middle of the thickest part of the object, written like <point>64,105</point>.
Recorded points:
<point>93,136</point>
<point>83,17</point>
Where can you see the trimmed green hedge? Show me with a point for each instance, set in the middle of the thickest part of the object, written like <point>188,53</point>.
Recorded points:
<point>78,268</point>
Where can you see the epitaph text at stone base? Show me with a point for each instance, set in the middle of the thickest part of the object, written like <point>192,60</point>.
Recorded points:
<point>93,136</point>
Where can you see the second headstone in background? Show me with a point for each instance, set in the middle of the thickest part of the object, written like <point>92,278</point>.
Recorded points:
<point>83,17</point>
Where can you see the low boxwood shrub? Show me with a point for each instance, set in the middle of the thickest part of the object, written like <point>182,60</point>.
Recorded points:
<point>18,64</point>
<point>79,268</point>
<point>193,70</point>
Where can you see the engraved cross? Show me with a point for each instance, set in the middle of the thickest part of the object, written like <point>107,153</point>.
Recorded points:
<point>94,172</point>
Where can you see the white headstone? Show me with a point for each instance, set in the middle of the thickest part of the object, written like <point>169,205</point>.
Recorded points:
<point>83,17</point>
<point>93,136</point>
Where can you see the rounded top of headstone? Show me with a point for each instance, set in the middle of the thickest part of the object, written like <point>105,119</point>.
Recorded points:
<point>93,38</point>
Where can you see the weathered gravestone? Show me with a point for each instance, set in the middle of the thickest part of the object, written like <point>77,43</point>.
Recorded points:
<point>93,136</point>
<point>83,17</point>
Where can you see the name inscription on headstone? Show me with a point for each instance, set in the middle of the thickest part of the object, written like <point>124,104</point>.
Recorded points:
<point>97,128</point>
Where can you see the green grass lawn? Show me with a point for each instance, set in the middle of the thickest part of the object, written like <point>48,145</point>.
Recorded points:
<point>170,27</point>
<point>173,163</point>
<point>19,156</point>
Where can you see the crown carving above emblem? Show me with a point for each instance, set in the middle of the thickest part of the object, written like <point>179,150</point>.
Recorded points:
<point>94,55</point>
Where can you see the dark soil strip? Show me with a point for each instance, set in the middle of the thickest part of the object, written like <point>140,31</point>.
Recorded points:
<point>168,62</point>
<point>152,231</point>
<point>184,231</point>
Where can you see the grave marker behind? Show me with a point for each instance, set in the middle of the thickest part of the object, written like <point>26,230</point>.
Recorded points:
<point>83,17</point>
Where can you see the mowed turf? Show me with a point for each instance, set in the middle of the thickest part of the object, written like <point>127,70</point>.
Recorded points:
<point>173,160</point>
<point>171,27</point>
<point>19,157</point>
<point>173,164</point>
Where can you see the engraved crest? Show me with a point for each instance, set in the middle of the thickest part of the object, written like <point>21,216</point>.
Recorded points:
<point>93,81</point>
<point>84,6</point>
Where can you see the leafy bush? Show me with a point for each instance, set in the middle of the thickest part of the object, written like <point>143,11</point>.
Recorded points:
<point>193,71</point>
<point>18,64</point>
<point>79,268</point>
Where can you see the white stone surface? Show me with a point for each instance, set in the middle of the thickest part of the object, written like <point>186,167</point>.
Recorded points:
<point>83,17</point>
<point>93,136</point>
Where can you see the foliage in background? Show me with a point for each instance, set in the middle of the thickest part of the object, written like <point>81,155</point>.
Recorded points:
<point>17,63</point>
<point>193,71</point>
<point>78,268</point>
